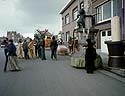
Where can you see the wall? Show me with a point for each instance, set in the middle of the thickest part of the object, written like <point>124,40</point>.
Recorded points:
<point>71,26</point>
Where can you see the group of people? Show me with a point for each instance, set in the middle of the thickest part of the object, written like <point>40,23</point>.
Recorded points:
<point>27,50</point>
<point>35,48</point>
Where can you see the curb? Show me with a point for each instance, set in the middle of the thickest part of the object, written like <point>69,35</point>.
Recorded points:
<point>112,75</point>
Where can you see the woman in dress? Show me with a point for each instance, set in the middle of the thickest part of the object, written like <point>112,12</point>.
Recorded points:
<point>31,48</point>
<point>20,51</point>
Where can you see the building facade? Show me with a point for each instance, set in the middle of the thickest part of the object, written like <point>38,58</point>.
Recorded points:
<point>102,12</point>
<point>2,39</point>
<point>14,35</point>
<point>69,18</point>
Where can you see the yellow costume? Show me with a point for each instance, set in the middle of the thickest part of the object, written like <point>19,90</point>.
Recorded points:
<point>31,49</point>
<point>19,52</point>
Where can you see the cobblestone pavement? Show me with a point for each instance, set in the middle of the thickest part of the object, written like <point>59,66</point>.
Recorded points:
<point>56,78</point>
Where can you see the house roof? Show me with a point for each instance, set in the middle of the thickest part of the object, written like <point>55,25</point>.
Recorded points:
<point>67,6</point>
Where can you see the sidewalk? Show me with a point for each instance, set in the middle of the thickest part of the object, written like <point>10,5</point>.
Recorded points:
<point>116,73</point>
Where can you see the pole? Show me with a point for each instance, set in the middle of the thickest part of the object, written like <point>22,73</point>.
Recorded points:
<point>78,5</point>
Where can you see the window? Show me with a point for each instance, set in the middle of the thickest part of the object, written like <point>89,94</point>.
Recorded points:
<point>115,7</point>
<point>106,11</point>
<point>67,19</point>
<point>75,13</point>
<point>109,33</point>
<point>81,5</point>
<point>67,35</point>
<point>99,14</point>
<point>103,33</point>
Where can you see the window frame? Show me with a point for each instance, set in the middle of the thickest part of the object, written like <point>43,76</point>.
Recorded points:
<point>102,12</point>
<point>74,11</point>
<point>81,5</point>
<point>67,16</point>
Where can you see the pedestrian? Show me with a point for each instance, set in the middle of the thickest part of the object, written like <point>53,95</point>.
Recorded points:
<point>20,51</point>
<point>12,56</point>
<point>42,46</point>
<point>25,49</point>
<point>53,46</point>
<point>36,47</point>
<point>39,48</point>
<point>5,43</point>
<point>90,57</point>
<point>70,45</point>
<point>76,45</point>
<point>31,48</point>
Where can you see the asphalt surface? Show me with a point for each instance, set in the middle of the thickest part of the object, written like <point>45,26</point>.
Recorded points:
<point>55,78</point>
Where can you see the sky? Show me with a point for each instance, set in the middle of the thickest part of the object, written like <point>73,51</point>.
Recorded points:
<point>25,16</point>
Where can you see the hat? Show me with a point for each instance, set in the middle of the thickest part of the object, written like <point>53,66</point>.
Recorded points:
<point>89,40</point>
<point>53,37</point>
<point>11,40</point>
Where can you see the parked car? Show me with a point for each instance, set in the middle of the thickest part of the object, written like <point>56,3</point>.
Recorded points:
<point>2,45</point>
<point>62,50</point>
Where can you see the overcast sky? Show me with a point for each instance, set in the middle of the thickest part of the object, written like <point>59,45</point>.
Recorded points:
<point>24,16</point>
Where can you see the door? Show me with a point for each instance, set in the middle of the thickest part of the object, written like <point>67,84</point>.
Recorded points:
<point>105,36</point>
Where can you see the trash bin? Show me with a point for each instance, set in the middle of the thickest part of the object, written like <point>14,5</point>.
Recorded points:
<point>124,49</point>
<point>116,54</point>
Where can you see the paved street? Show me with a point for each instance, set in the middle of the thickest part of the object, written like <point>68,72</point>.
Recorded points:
<point>56,78</point>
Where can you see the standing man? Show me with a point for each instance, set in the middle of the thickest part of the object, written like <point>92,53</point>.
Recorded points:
<point>70,45</point>
<point>39,48</point>
<point>25,49</point>
<point>5,42</point>
<point>43,48</point>
<point>53,46</point>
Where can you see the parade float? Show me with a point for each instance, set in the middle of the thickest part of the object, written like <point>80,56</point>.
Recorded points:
<point>85,28</point>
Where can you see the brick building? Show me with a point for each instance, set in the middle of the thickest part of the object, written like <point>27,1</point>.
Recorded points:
<point>102,12</point>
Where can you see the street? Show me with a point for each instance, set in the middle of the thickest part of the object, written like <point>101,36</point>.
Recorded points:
<point>55,78</point>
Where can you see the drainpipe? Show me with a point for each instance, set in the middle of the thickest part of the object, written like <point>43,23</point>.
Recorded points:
<point>123,27</point>
<point>78,5</point>
<point>123,31</point>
